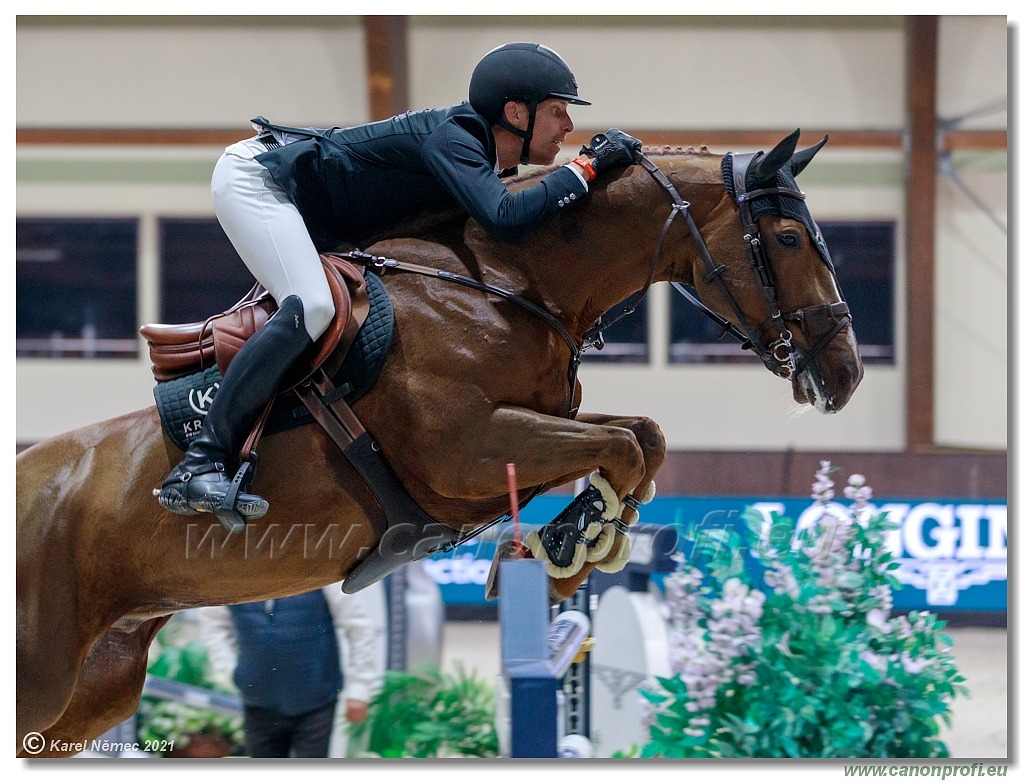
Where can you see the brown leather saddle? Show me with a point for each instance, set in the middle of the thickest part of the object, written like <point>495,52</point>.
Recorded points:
<point>179,350</point>
<point>408,533</point>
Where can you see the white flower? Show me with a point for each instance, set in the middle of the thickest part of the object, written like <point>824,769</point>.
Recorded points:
<point>876,661</point>
<point>821,491</point>
<point>913,665</point>
<point>878,618</point>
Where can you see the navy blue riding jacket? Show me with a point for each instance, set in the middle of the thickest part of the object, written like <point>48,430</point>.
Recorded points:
<point>351,183</point>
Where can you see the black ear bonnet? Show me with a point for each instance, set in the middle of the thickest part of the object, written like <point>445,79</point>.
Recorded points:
<point>778,203</point>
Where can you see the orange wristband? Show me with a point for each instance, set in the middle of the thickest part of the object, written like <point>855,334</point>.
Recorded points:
<point>587,166</point>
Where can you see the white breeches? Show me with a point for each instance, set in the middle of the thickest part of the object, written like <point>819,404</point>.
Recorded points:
<point>269,234</point>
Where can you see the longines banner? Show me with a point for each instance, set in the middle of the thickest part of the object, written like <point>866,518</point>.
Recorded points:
<point>951,553</point>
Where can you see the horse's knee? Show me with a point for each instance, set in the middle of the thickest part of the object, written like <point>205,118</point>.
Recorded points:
<point>649,437</point>
<point>629,456</point>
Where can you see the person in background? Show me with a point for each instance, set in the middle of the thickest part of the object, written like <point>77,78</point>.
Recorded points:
<point>289,659</point>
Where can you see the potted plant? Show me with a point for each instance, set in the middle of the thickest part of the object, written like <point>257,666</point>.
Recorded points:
<point>426,713</point>
<point>813,665</point>
<point>178,728</point>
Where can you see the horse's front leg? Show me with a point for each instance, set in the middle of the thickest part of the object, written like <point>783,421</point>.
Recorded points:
<point>622,454</point>
<point>609,550</point>
<point>545,450</point>
<point>602,539</point>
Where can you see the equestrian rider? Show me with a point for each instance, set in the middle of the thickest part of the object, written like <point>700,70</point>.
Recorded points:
<point>289,193</point>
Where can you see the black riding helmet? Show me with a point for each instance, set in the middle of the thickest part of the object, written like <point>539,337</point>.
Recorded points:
<point>528,72</point>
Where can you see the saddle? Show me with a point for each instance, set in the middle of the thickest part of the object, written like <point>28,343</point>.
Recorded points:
<point>178,351</point>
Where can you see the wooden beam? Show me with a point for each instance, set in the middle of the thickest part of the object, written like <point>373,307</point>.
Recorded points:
<point>743,140</point>
<point>920,193</point>
<point>719,140</point>
<point>982,140</point>
<point>129,137</point>
<point>387,65</point>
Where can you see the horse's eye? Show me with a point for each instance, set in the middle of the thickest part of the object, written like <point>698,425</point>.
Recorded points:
<point>788,240</point>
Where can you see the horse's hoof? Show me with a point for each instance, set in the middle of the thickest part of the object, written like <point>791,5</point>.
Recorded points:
<point>620,559</point>
<point>599,546</point>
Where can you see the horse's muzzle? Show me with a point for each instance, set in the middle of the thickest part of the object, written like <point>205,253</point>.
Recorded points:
<point>828,378</point>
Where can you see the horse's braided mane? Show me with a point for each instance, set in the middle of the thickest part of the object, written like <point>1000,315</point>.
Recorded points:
<point>649,151</point>
<point>667,150</point>
<point>431,222</point>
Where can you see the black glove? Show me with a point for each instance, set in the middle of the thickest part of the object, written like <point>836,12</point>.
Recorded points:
<point>612,150</point>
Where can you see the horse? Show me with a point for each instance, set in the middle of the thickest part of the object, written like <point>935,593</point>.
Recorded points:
<point>472,382</point>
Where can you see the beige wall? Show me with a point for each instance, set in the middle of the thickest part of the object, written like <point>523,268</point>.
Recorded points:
<point>651,72</point>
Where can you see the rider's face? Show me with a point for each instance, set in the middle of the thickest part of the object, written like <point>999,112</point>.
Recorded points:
<point>550,127</point>
<point>549,130</point>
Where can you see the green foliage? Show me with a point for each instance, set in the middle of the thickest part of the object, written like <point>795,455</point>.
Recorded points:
<point>426,713</point>
<point>160,721</point>
<point>814,666</point>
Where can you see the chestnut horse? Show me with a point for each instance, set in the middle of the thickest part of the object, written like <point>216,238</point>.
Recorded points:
<point>472,383</point>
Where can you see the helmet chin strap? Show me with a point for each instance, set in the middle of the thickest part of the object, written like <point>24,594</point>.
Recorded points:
<point>525,135</point>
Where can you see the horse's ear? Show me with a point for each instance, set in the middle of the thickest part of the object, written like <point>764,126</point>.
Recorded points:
<point>763,169</point>
<point>803,157</point>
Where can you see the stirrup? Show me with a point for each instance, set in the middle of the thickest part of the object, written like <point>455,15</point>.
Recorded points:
<point>173,495</point>
<point>230,517</point>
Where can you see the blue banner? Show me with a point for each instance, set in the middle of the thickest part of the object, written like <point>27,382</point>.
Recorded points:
<point>951,552</point>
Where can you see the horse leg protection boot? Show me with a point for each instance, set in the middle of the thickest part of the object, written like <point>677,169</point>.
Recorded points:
<point>199,483</point>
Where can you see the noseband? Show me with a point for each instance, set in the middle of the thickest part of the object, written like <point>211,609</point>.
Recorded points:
<point>779,355</point>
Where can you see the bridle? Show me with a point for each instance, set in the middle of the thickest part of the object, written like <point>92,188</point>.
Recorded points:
<point>779,355</point>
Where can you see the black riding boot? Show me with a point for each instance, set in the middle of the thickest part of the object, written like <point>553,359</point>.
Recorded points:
<point>200,481</point>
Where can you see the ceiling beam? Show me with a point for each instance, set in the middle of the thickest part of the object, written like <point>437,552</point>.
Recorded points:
<point>715,138</point>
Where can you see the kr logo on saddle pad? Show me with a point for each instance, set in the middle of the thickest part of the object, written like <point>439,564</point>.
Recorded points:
<point>201,399</point>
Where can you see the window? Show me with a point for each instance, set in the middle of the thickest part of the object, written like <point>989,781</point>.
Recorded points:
<point>76,287</point>
<point>200,272</point>
<point>864,255</point>
<point>626,340</point>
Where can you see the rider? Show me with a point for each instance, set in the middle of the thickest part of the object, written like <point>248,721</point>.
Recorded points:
<point>289,193</point>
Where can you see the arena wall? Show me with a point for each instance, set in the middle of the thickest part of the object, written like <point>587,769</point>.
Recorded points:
<point>834,73</point>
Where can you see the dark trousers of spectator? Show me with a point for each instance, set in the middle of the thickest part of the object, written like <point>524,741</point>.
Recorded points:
<point>270,734</point>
